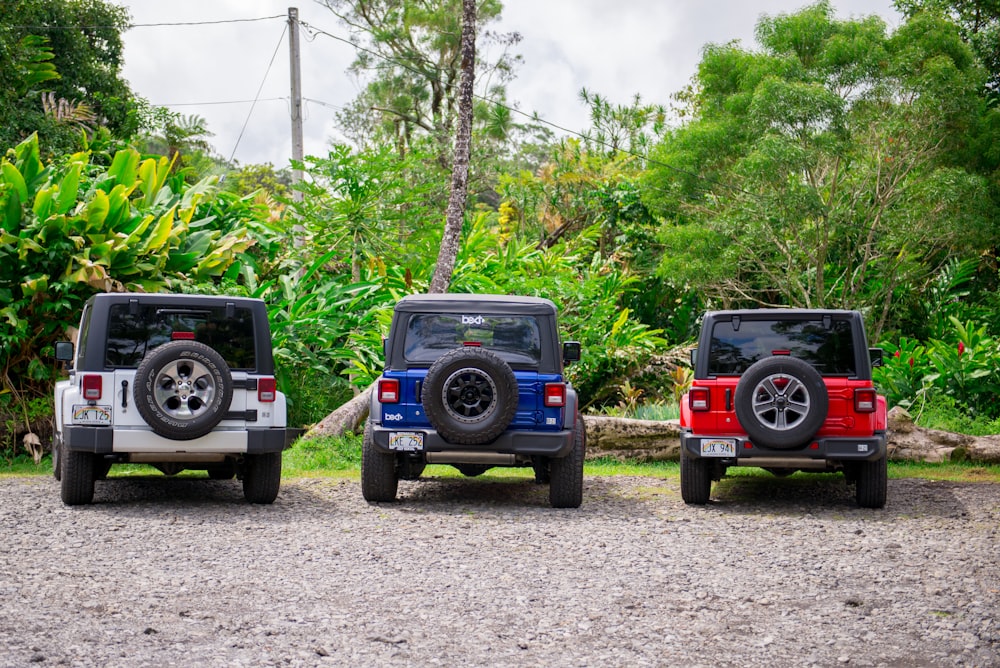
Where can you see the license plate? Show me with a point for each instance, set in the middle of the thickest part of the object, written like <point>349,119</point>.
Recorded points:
<point>406,441</point>
<point>718,447</point>
<point>87,414</point>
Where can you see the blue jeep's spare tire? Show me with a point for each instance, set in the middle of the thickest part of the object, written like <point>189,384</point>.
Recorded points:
<point>470,396</point>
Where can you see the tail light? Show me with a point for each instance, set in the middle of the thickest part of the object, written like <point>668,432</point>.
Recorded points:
<point>699,399</point>
<point>267,390</point>
<point>388,391</point>
<point>865,400</point>
<point>555,394</point>
<point>92,387</point>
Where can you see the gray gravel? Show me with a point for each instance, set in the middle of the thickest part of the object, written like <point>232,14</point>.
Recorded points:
<point>789,572</point>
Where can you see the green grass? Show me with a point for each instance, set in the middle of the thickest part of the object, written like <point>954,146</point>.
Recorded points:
<point>340,457</point>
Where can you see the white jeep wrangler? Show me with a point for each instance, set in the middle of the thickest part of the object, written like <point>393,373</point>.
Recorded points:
<point>175,381</point>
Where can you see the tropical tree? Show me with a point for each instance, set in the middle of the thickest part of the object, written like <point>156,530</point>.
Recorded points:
<point>455,213</point>
<point>413,52</point>
<point>979,25</point>
<point>818,172</point>
<point>83,40</point>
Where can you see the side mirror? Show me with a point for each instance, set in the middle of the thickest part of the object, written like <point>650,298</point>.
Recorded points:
<point>571,352</point>
<point>64,351</point>
<point>875,355</point>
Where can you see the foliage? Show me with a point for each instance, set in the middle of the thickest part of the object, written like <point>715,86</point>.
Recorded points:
<point>79,41</point>
<point>979,21</point>
<point>818,172</point>
<point>961,373</point>
<point>72,228</point>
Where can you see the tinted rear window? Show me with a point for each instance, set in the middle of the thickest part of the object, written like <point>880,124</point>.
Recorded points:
<point>829,350</point>
<point>516,339</point>
<point>131,336</point>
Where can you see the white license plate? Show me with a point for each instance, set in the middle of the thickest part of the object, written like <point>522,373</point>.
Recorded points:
<point>406,441</point>
<point>718,447</point>
<point>87,414</point>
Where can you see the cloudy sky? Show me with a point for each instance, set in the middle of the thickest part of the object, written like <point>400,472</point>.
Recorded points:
<point>613,47</point>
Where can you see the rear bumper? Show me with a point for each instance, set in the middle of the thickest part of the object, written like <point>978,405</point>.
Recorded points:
<point>109,441</point>
<point>862,449</point>
<point>554,444</point>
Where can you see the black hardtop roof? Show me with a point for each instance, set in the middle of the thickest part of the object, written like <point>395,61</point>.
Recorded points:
<point>475,303</point>
<point>781,314</point>
<point>169,298</point>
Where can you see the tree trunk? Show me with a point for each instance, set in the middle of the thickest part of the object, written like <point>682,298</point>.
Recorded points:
<point>460,168</point>
<point>345,420</point>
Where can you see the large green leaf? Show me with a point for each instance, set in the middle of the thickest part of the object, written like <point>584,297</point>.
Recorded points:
<point>124,167</point>
<point>161,232</point>
<point>69,189</point>
<point>12,176</point>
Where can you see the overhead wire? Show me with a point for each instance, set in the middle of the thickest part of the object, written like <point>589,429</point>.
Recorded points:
<point>532,116</point>
<point>315,30</point>
<point>259,89</point>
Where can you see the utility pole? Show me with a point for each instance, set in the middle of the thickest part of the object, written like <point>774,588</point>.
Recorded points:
<point>296,79</point>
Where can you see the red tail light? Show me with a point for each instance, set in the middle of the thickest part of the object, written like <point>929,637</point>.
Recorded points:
<point>182,336</point>
<point>555,394</point>
<point>388,391</point>
<point>865,400</point>
<point>267,390</point>
<point>92,387</point>
<point>699,399</point>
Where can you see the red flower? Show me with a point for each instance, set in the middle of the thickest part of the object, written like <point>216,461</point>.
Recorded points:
<point>961,348</point>
<point>911,362</point>
<point>896,354</point>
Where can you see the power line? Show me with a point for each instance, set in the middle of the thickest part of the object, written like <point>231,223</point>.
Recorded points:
<point>208,104</point>
<point>143,25</point>
<point>259,89</point>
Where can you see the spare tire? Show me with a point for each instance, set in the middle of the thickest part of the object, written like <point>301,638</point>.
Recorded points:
<point>183,389</point>
<point>781,402</point>
<point>470,396</point>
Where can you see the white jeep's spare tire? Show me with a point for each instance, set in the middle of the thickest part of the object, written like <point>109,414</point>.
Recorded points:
<point>183,389</point>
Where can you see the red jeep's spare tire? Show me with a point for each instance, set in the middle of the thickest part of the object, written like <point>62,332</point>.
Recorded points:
<point>470,396</point>
<point>781,402</point>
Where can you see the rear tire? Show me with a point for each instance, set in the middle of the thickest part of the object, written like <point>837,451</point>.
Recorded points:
<point>696,480</point>
<point>262,477</point>
<point>566,473</point>
<point>379,478</point>
<point>871,487</point>
<point>77,478</point>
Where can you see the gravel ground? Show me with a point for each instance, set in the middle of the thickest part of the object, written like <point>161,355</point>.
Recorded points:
<point>162,572</point>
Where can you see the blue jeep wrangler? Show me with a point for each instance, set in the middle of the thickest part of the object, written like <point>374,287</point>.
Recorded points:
<point>475,381</point>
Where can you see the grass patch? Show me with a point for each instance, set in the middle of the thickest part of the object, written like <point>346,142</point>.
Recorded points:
<point>341,457</point>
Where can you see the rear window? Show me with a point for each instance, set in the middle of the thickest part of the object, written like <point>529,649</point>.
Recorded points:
<point>132,335</point>
<point>830,350</point>
<point>515,339</point>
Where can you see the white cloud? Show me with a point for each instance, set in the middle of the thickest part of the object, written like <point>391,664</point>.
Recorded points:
<point>617,49</point>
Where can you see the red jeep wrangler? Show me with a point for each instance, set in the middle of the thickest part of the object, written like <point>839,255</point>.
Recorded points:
<point>786,390</point>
